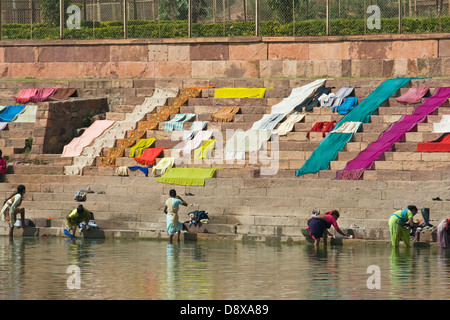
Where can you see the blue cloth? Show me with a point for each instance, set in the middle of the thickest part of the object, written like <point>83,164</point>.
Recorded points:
<point>10,113</point>
<point>143,169</point>
<point>348,105</point>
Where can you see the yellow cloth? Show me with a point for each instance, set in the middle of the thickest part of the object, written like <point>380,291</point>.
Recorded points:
<point>239,93</point>
<point>187,176</point>
<point>164,164</point>
<point>202,152</point>
<point>140,146</point>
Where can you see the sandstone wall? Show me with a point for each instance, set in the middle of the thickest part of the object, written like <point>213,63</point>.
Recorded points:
<point>249,57</point>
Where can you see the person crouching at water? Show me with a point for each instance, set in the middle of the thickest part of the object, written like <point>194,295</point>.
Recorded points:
<point>11,209</point>
<point>171,210</point>
<point>76,217</point>
<point>318,226</point>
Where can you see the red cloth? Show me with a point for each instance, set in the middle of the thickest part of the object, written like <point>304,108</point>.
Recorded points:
<point>324,126</point>
<point>149,156</point>
<point>25,95</point>
<point>43,94</point>
<point>439,145</point>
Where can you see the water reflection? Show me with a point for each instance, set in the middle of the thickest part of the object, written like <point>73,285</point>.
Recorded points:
<point>36,268</point>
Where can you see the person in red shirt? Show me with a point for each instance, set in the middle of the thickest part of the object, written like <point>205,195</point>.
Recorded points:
<point>318,226</point>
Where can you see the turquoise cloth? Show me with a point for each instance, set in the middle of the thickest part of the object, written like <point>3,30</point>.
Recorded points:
<point>328,149</point>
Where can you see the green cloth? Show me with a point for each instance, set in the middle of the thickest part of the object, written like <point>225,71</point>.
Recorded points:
<point>186,176</point>
<point>140,146</point>
<point>328,149</point>
<point>239,93</point>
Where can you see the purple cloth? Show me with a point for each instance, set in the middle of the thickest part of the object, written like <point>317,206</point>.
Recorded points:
<point>413,95</point>
<point>442,236</point>
<point>395,132</point>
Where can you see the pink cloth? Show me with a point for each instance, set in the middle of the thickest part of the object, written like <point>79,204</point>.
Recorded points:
<point>76,146</point>
<point>355,168</point>
<point>43,94</point>
<point>25,95</point>
<point>2,164</point>
<point>413,95</point>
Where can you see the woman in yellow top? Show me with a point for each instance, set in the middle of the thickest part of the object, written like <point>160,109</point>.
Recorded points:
<point>397,225</point>
<point>171,210</point>
<point>11,209</point>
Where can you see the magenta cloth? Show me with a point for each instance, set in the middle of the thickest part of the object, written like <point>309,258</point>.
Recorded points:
<point>2,164</point>
<point>43,94</point>
<point>413,95</point>
<point>25,95</point>
<point>355,168</point>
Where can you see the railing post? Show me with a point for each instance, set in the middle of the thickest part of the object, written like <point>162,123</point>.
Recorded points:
<point>125,19</point>
<point>328,17</point>
<point>293,17</point>
<point>190,19</point>
<point>400,16</point>
<point>61,19</point>
<point>257,18</point>
<point>0,20</point>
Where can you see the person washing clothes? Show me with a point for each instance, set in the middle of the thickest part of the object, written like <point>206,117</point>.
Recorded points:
<point>397,225</point>
<point>171,210</point>
<point>78,216</point>
<point>319,224</point>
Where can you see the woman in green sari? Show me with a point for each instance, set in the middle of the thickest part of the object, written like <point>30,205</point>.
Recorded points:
<point>397,225</point>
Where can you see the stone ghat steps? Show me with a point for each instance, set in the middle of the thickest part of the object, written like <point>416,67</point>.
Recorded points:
<point>265,206</point>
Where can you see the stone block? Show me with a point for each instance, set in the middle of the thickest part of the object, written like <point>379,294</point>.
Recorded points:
<point>242,69</point>
<point>249,51</point>
<point>171,69</point>
<point>327,50</point>
<point>20,54</point>
<point>123,53</point>
<point>371,50</point>
<point>178,52</point>
<point>209,52</point>
<point>413,49</point>
<point>158,52</point>
<point>288,51</point>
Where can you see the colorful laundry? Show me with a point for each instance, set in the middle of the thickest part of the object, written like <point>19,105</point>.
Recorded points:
<point>63,94</point>
<point>268,121</point>
<point>193,144</point>
<point>27,115</point>
<point>297,96</point>
<point>349,104</point>
<point>187,176</point>
<point>117,131</point>
<point>442,144</point>
<point>196,126</point>
<point>394,133</point>
<point>164,164</point>
<point>239,93</point>
<point>139,147</point>
<point>312,100</point>
<point>225,114</point>
<point>149,156</point>
<point>10,113</point>
<point>150,124</point>
<point>288,124</point>
<point>330,146</point>
<point>176,123</point>
<point>43,94</point>
<point>76,146</point>
<point>25,95</point>
<point>143,169</point>
<point>203,151</point>
<point>413,95</point>
<point>342,94</point>
<point>322,126</point>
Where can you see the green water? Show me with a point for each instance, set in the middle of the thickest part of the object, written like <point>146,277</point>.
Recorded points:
<point>39,268</point>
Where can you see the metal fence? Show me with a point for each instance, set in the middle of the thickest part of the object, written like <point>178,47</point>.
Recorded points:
<point>85,19</point>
